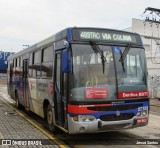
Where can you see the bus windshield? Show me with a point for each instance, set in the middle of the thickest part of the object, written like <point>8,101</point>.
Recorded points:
<point>131,71</point>
<point>91,81</point>
<point>88,81</point>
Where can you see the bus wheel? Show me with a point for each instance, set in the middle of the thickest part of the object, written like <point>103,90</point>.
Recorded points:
<point>51,127</point>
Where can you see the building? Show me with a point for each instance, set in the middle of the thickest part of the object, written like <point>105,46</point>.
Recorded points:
<point>150,33</point>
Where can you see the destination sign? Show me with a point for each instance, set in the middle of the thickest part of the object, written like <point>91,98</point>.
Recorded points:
<point>106,35</point>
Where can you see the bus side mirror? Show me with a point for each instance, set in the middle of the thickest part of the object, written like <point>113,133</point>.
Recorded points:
<point>66,61</point>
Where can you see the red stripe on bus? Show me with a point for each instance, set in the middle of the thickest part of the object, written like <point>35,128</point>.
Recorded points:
<point>82,109</point>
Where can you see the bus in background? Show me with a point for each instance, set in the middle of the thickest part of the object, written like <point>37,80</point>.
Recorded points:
<point>83,80</point>
<point>3,60</point>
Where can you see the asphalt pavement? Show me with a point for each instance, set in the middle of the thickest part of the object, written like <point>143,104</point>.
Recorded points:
<point>155,102</point>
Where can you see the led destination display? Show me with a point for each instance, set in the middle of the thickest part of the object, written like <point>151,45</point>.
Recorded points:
<point>106,35</point>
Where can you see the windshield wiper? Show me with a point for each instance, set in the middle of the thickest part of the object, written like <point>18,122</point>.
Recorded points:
<point>124,54</point>
<point>97,50</point>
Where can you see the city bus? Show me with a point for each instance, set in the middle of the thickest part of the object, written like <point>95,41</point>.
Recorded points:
<point>83,80</point>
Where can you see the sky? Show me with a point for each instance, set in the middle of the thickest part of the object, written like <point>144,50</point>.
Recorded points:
<point>26,22</point>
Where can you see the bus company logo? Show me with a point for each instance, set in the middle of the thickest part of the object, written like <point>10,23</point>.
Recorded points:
<point>118,113</point>
<point>117,102</point>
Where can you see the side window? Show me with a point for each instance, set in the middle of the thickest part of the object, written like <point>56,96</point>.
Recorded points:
<point>47,62</point>
<point>58,71</point>
<point>30,64</point>
<point>13,63</point>
<point>21,64</point>
<point>36,67</point>
<point>37,57</point>
<point>133,66</point>
<point>35,64</point>
<point>16,63</point>
<point>19,61</point>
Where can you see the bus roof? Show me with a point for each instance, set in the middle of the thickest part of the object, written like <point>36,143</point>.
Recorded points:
<point>83,34</point>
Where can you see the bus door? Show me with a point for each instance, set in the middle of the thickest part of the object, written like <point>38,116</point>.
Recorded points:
<point>25,84</point>
<point>59,98</point>
<point>11,81</point>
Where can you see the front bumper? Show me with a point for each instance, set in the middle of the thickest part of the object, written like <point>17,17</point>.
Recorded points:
<point>75,127</point>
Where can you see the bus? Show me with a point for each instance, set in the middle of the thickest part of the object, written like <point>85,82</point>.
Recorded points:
<point>83,80</point>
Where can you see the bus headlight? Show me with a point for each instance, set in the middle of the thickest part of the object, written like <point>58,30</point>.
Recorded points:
<point>144,112</point>
<point>84,118</point>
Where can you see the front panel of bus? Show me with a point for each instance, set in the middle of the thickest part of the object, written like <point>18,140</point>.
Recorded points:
<point>108,86</point>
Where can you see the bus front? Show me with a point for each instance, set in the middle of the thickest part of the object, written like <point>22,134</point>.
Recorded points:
<point>108,81</point>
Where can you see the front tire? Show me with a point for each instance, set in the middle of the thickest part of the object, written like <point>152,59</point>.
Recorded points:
<point>49,118</point>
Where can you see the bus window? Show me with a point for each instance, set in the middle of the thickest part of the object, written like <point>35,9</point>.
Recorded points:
<point>19,61</point>
<point>132,72</point>
<point>13,63</point>
<point>36,64</point>
<point>47,62</point>
<point>16,63</point>
<point>58,68</point>
<point>30,64</point>
<point>133,66</point>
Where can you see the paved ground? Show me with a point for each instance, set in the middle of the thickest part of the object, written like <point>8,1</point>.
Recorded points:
<point>12,126</point>
<point>155,101</point>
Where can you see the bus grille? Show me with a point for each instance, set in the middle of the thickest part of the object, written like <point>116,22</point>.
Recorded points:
<point>113,117</point>
<point>116,107</point>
